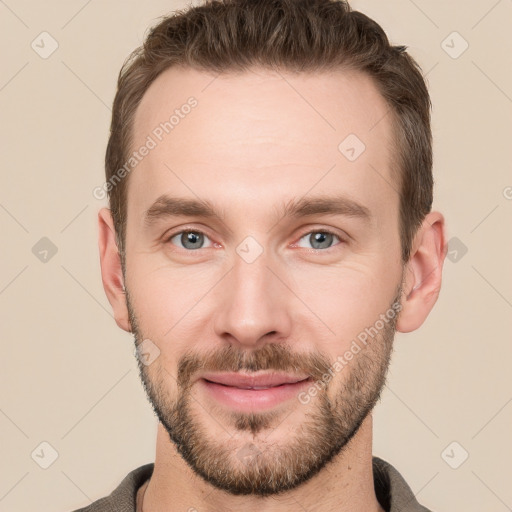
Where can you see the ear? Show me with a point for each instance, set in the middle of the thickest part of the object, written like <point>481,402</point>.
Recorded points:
<point>111,270</point>
<point>423,271</point>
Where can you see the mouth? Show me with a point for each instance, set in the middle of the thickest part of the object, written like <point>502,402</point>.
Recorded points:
<point>250,392</point>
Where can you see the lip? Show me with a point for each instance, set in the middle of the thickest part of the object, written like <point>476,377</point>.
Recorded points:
<point>251,392</point>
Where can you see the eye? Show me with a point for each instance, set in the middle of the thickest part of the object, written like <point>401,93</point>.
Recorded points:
<point>320,239</point>
<point>189,240</point>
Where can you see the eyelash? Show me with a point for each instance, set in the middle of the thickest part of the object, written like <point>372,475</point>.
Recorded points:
<point>323,230</point>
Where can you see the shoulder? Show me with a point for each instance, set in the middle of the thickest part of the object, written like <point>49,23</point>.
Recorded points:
<point>391,489</point>
<point>122,498</point>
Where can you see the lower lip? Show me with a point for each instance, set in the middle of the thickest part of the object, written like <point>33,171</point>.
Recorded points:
<point>253,399</point>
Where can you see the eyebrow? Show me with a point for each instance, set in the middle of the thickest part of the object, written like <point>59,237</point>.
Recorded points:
<point>167,206</point>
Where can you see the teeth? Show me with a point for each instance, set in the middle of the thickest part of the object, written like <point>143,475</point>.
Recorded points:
<point>256,387</point>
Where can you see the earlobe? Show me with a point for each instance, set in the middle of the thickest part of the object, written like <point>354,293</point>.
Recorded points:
<point>111,270</point>
<point>423,273</point>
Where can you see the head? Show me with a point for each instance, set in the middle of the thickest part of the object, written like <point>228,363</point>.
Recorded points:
<point>278,221</point>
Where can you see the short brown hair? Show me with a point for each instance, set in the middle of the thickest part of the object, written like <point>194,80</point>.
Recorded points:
<point>298,35</point>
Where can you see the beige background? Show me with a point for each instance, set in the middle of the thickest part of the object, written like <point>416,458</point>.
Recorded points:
<point>69,377</point>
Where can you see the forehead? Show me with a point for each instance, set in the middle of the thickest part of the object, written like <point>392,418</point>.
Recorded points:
<point>248,130</point>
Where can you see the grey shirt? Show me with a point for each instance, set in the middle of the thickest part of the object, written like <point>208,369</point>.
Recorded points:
<point>391,490</point>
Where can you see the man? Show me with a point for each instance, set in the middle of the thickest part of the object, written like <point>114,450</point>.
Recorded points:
<point>269,171</point>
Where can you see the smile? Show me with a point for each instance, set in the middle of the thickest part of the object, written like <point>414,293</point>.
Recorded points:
<point>249,393</point>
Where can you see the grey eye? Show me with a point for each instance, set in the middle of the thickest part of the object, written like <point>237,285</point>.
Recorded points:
<point>190,240</point>
<point>319,239</point>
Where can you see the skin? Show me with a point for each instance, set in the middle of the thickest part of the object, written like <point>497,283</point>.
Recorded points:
<point>256,141</point>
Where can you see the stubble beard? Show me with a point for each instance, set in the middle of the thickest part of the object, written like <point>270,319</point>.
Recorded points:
<point>245,464</point>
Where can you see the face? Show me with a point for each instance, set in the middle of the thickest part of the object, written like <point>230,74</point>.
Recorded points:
<point>263,268</point>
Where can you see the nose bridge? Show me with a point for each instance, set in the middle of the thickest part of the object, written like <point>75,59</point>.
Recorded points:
<point>254,302</point>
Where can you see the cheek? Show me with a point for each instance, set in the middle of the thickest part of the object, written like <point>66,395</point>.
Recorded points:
<point>147,296</point>
<point>169,302</point>
<point>156,308</point>
<point>347,299</point>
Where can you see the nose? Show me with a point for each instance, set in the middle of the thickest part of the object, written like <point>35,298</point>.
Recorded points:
<point>253,304</point>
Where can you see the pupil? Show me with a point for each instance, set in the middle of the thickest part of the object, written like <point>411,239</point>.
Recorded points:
<point>191,238</point>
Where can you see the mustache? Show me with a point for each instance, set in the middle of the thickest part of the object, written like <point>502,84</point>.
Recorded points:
<point>273,357</point>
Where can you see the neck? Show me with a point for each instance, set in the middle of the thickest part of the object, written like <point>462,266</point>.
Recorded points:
<point>345,484</point>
